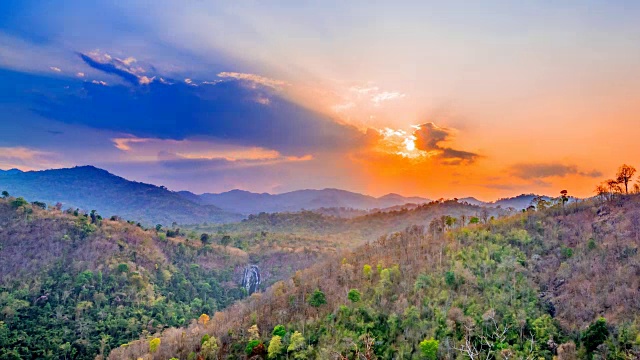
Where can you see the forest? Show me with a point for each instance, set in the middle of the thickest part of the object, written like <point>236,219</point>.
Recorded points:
<point>557,281</point>
<point>442,280</point>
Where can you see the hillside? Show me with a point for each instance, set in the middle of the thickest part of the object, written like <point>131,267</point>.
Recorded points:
<point>561,282</point>
<point>90,188</point>
<point>246,202</point>
<point>74,285</point>
<point>353,231</point>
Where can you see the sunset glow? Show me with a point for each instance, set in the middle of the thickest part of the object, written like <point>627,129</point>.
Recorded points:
<point>438,100</point>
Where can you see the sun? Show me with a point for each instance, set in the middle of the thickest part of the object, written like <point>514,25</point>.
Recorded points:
<point>410,144</point>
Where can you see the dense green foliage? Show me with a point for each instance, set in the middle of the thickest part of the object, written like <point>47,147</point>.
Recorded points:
<point>75,288</point>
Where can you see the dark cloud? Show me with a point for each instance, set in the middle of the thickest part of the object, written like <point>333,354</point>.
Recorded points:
<point>428,138</point>
<point>111,68</point>
<point>541,171</point>
<point>227,111</point>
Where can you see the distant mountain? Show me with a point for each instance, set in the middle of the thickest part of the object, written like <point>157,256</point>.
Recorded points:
<point>473,201</point>
<point>90,188</point>
<point>252,203</point>
<point>10,171</point>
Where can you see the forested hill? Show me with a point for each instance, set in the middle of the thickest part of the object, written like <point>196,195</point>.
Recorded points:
<point>446,214</point>
<point>90,188</point>
<point>556,283</point>
<point>74,286</point>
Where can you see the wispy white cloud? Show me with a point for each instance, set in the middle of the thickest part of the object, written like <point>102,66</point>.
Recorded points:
<point>56,69</point>
<point>153,149</point>
<point>25,158</point>
<point>254,79</point>
<point>386,96</point>
<point>263,100</point>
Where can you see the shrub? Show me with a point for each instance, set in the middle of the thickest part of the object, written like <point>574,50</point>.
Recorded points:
<point>354,295</point>
<point>18,202</point>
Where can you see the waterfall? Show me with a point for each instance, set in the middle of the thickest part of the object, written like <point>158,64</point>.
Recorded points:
<point>251,279</point>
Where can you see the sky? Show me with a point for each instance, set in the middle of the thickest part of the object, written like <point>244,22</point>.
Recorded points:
<point>437,99</point>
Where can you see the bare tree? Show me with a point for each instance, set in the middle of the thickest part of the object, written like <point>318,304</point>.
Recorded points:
<point>495,334</point>
<point>624,175</point>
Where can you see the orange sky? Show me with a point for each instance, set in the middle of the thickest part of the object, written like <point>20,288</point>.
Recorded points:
<point>447,99</point>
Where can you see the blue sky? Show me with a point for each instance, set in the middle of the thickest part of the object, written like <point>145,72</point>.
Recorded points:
<point>372,96</point>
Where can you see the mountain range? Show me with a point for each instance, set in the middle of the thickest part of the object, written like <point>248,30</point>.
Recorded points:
<point>90,188</point>
<point>246,202</point>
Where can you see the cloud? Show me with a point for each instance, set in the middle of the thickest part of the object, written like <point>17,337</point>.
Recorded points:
<point>124,69</point>
<point>124,144</point>
<point>228,111</point>
<point>26,158</point>
<point>428,137</point>
<point>200,149</point>
<point>254,79</point>
<point>547,170</point>
<point>386,96</point>
<point>56,69</point>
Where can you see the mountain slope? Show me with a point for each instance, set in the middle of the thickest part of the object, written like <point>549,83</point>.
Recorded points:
<point>90,188</point>
<point>74,288</point>
<point>246,202</point>
<point>89,285</point>
<point>559,283</point>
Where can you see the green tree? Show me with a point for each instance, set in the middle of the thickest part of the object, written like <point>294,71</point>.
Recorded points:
<point>474,220</point>
<point>279,330</point>
<point>354,295</point>
<point>595,334</point>
<point>317,298</point>
<point>5,194</point>
<point>275,347</point>
<point>429,349</point>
